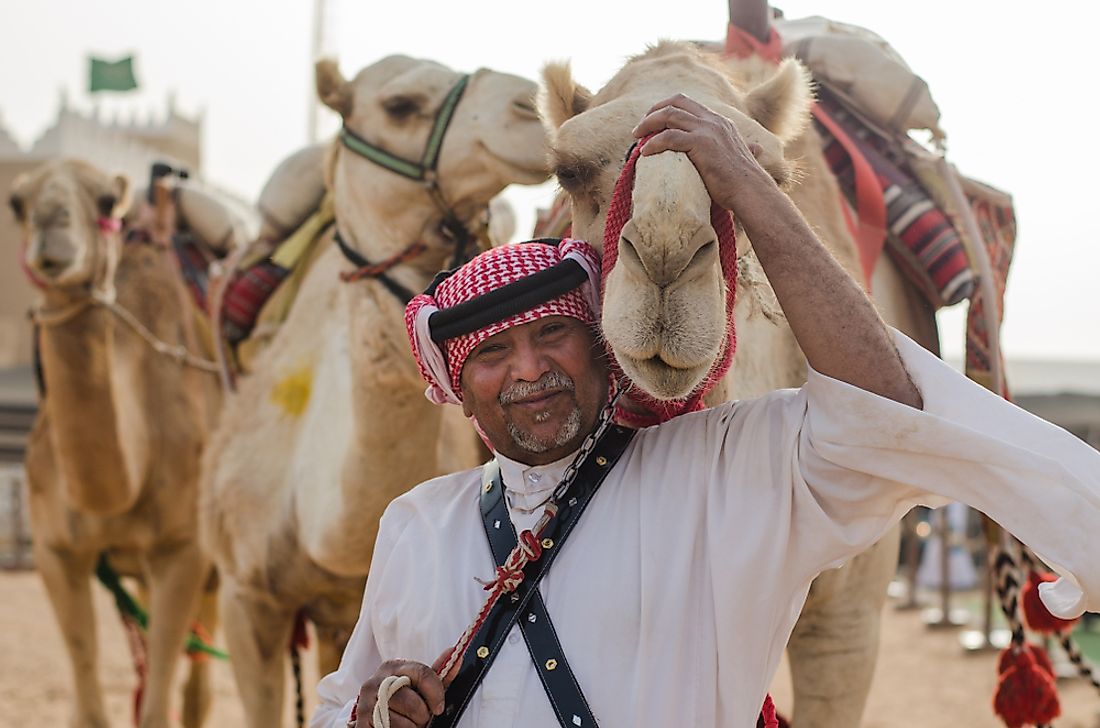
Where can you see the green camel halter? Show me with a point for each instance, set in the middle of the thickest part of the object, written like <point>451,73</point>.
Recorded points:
<point>424,170</point>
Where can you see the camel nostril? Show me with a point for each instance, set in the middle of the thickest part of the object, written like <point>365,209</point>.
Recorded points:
<point>702,254</point>
<point>628,251</point>
<point>50,265</point>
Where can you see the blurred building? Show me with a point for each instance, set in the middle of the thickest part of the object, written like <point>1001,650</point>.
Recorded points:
<point>1065,393</point>
<point>127,147</point>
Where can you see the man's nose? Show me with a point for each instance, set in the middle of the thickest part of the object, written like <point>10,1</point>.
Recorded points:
<point>529,362</point>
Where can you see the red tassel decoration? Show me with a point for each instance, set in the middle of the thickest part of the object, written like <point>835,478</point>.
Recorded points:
<point>1025,694</point>
<point>300,638</point>
<point>1038,654</point>
<point>1036,615</point>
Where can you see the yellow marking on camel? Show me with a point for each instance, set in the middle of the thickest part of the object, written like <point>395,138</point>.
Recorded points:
<point>291,393</point>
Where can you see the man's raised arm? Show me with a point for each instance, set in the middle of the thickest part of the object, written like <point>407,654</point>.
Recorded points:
<point>833,320</point>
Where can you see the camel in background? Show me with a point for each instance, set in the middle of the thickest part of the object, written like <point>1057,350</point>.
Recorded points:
<point>113,458</point>
<point>332,423</point>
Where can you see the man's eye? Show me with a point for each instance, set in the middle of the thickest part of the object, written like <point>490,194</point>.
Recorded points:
<point>490,349</point>
<point>553,328</point>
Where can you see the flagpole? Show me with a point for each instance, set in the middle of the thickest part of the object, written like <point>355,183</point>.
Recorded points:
<point>314,105</point>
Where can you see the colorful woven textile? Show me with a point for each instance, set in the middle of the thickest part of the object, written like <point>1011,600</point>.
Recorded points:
<point>922,241</point>
<point>194,266</point>
<point>246,295</point>
<point>997,223</point>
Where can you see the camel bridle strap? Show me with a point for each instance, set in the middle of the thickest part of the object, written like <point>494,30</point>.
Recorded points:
<point>425,169</point>
<point>47,318</point>
<point>619,212</point>
<point>178,352</point>
<point>378,271</point>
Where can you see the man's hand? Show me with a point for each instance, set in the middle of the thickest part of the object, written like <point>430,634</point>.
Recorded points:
<point>411,706</point>
<point>836,325</point>
<point>726,162</point>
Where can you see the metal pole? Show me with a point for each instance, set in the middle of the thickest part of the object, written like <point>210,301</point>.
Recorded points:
<point>318,48</point>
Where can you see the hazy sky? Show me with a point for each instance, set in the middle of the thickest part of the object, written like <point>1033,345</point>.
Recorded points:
<point>1014,87</point>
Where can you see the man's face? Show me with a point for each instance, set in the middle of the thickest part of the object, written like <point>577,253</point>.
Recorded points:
<point>536,389</point>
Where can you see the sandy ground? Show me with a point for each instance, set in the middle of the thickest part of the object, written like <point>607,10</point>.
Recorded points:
<point>923,678</point>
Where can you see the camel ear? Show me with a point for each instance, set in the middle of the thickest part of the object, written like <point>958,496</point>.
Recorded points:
<point>561,98</point>
<point>782,103</point>
<point>114,201</point>
<point>333,90</point>
<point>121,184</point>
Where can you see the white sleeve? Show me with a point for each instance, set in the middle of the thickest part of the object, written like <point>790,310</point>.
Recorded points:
<point>861,461</point>
<point>338,691</point>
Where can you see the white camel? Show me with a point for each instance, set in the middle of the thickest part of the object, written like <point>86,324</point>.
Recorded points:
<point>332,422</point>
<point>834,645</point>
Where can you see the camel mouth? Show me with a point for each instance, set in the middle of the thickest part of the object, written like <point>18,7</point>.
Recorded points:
<point>530,171</point>
<point>662,380</point>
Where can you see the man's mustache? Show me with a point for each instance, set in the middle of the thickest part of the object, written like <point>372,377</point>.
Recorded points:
<point>548,381</point>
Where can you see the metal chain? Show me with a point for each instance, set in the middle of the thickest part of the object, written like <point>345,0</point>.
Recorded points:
<point>607,416</point>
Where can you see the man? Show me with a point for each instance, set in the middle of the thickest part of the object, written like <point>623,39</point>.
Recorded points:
<point>672,601</point>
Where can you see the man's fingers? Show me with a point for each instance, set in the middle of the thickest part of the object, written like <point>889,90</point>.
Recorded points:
<point>667,117</point>
<point>427,684</point>
<point>398,721</point>
<point>675,140</point>
<point>680,101</point>
<point>410,704</point>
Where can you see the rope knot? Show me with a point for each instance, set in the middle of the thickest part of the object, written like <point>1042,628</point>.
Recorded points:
<point>530,546</point>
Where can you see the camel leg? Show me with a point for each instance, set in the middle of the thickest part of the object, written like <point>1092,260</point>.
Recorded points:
<point>196,691</point>
<point>175,576</point>
<point>258,635</point>
<point>331,642</point>
<point>834,645</point>
<point>67,576</point>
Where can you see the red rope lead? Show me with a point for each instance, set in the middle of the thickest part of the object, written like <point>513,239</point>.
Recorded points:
<point>376,269</point>
<point>619,212</point>
<point>508,577</point>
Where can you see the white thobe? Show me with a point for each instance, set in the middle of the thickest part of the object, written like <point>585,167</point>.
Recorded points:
<point>676,594</point>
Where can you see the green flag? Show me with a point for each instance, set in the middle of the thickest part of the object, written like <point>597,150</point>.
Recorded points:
<point>111,75</point>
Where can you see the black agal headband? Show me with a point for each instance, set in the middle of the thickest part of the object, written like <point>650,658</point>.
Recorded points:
<point>506,301</point>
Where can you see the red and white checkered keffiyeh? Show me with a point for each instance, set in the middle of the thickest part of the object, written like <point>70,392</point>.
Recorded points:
<point>442,366</point>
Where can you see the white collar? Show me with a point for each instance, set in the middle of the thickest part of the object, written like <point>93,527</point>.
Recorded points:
<point>528,486</point>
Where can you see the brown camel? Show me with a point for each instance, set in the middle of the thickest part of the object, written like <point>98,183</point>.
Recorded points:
<point>113,457</point>
<point>834,645</point>
<point>332,423</point>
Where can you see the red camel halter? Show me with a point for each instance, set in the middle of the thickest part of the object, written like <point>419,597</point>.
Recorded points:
<point>618,213</point>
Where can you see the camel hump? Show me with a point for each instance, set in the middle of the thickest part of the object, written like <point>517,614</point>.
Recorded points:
<point>221,221</point>
<point>293,192</point>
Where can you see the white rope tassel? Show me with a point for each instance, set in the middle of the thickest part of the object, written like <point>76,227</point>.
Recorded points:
<point>389,686</point>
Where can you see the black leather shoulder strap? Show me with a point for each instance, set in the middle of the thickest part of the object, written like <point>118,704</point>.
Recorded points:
<point>526,601</point>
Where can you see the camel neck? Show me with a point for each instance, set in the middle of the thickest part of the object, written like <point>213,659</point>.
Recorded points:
<point>90,427</point>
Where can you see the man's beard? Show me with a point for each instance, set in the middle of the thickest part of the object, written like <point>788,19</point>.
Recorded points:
<point>569,428</point>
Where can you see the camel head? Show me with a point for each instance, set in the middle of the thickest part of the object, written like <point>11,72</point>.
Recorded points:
<point>664,301</point>
<point>493,139</point>
<point>65,208</point>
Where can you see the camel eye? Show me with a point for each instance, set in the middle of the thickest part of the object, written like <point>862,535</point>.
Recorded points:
<point>567,177</point>
<point>401,107</point>
<point>17,208</point>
